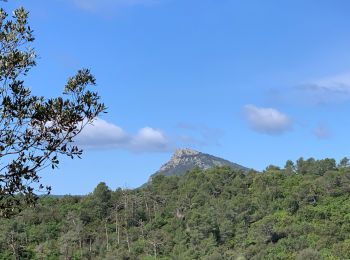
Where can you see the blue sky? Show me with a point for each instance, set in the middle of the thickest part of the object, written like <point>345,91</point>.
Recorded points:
<point>255,82</point>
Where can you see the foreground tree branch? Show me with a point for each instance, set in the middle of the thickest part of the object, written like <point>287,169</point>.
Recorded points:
<point>35,131</point>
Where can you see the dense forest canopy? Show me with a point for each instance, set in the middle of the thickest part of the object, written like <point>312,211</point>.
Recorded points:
<point>299,212</point>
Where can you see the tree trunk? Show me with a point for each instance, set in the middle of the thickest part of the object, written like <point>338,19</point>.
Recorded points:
<point>66,253</point>
<point>127,240</point>
<point>155,250</point>
<point>107,240</point>
<point>147,209</point>
<point>117,227</point>
<point>142,226</point>
<point>132,208</point>
<point>80,247</point>
<point>155,209</point>
<point>14,246</point>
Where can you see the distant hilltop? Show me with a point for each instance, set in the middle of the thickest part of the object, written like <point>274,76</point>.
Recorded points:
<point>187,159</point>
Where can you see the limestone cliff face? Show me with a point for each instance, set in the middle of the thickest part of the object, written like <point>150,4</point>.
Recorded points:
<point>184,160</point>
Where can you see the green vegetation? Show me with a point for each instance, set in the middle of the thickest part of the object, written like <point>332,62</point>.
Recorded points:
<point>35,131</point>
<point>299,212</point>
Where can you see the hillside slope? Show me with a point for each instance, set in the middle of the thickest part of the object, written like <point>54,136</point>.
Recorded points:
<point>299,212</point>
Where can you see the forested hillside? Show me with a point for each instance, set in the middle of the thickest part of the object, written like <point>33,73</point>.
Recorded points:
<point>299,212</point>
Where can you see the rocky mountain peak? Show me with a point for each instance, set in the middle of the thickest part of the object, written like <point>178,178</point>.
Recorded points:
<point>187,159</point>
<point>184,152</point>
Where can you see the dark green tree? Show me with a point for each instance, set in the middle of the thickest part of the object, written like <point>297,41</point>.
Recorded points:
<point>101,197</point>
<point>344,162</point>
<point>289,167</point>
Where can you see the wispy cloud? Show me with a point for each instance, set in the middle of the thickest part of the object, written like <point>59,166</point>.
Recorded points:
<point>199,134</point>
<point>267,120</point>
<point>323,91</point>
<point>104,135</point>
<point>96,6</point>
<point>335,84</point>
<point>322,132</point>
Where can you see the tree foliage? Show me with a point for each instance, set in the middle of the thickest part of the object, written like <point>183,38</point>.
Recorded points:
<point>35,131</point>
<point>215,214</point>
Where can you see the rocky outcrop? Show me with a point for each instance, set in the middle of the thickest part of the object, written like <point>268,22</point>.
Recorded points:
<point>184,160</point>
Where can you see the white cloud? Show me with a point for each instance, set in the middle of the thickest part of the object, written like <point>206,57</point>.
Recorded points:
<point>267,120</point>
<point>104,135</point>
<point>149,139</point>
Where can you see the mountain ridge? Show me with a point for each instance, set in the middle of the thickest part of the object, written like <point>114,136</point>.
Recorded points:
<point>187,159</point>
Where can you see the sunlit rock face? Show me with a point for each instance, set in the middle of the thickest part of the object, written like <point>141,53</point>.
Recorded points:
<point>184,160</point>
